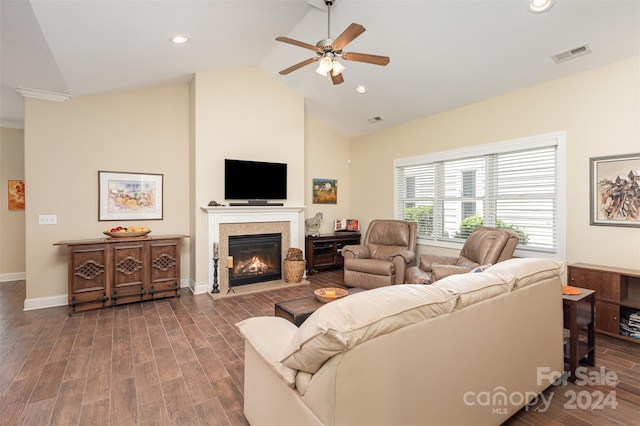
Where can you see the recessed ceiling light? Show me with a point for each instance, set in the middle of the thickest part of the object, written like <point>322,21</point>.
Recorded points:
<point>179,39</point>
<point>539,6</point>
<point>361,89</point>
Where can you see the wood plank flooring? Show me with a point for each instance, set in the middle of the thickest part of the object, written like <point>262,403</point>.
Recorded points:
<point>179,361</point>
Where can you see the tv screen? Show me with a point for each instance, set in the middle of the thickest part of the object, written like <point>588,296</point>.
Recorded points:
<point>254,180</point>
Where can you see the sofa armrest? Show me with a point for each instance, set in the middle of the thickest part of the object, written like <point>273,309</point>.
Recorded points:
<point>427,261</point>
<point>441,271</point>
<point>270,336</point>
<point>357,251</point>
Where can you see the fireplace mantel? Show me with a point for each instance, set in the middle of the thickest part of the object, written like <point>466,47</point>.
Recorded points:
<point>219,215</point>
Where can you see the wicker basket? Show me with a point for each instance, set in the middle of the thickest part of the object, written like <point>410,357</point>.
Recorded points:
<point>293,270</point>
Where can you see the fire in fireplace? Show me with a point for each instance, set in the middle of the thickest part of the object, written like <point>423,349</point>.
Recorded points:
<point>256,258</point>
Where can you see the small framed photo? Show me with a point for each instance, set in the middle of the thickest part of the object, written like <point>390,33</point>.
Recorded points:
<point>325,191</point>
<point>615,190</point>
<point>129,196</point>
<point>16,194</point>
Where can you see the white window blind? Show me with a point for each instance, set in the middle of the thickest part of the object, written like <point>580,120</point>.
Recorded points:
<point>516,184</point>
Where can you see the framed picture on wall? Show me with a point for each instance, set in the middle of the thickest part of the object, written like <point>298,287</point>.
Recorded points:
<point>16,194</point>
<point>615,190</point>
<point>325,191</point>
<point>129,196</point>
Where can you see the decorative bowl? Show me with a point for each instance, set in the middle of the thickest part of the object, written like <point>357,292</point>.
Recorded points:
<point>126,234</point>
<point>329,294</point>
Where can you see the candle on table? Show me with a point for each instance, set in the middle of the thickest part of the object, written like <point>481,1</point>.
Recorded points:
<point>230,262</point>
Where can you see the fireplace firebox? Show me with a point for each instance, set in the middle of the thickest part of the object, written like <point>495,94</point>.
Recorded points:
<point>256,258</point>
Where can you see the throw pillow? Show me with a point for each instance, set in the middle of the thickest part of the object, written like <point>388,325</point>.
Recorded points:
<point>481,268</point>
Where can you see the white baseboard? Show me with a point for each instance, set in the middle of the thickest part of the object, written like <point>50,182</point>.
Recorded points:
<point>199,288</point>
<point>15,276</point>
<point>45,302</point>
<point>62,299</point>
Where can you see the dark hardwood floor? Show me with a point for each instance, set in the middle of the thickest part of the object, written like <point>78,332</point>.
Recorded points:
<point>179,361</point>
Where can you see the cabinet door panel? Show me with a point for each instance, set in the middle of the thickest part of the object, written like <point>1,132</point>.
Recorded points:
<point>608,317</point>
<point>88,277</point>
<point>606,285</point>
<point>164,268</point>
<point>128,272</point>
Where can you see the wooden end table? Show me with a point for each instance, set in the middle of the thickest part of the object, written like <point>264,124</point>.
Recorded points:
<point>298,310</point>
<point>579,312</point>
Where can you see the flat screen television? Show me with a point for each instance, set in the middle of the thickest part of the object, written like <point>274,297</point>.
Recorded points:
<point>254,181</point>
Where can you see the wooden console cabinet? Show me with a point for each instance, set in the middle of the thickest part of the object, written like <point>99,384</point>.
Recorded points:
<point>325,251</point>
<point>617,294</point>
<point>115,271</point>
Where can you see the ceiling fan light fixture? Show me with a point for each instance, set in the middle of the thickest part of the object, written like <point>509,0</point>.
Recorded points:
<point>337,68</point>
<point>325,65</point>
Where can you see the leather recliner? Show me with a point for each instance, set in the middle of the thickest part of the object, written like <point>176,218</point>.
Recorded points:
<point>388,247</point>
<point>484,246</point>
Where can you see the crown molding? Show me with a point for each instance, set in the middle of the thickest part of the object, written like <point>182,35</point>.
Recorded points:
<point>12,124</point>
<point>41,94</point>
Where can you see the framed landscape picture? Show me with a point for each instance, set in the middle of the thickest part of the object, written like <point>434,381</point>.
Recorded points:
<point>129,196</point>
<point>615,190</point>
<point>325,191</point>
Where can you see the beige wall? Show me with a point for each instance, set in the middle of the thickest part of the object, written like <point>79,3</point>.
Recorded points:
<point>241,114</point>
<point>12,256</point>
<point>327,157</point>
<point>185,132</point>
<point>65,146</point>
<point>599,110</point>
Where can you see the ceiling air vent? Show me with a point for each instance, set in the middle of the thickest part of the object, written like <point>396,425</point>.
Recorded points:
<point>565,55</point>
<point>375,119</point>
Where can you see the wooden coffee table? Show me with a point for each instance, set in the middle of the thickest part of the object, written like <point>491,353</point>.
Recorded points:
<point>298,310</point>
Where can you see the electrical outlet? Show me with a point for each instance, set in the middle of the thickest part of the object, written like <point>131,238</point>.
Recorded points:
<point>47,219</point>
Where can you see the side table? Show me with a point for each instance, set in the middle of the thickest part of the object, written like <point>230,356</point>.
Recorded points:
<point>579,312</point>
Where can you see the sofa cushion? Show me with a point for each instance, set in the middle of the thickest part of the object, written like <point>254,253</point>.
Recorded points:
<point>473,288</point>
<point>341,325</point>
<point>527,270</point>
<point>270,336</point>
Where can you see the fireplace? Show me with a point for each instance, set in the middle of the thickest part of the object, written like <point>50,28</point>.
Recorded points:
<point>255,258</point>
<point>226,221</point>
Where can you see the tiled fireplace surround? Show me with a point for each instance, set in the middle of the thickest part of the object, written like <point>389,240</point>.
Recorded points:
<point>250,220</point>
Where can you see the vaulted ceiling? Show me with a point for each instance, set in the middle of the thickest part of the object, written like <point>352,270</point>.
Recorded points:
<point>444,54</point>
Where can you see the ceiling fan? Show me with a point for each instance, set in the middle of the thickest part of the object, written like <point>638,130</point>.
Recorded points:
<point>329,49</point>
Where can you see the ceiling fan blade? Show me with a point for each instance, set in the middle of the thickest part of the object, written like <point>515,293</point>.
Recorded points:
<point>297,43</point>
<point>336,79</point>
<point>298,65</point>
<point>347,36</point>
<point>364,57</point>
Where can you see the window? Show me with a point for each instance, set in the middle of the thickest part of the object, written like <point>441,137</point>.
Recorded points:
<point>515,184</point>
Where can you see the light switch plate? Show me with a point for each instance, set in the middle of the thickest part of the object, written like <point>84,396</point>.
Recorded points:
<point>47,219</point>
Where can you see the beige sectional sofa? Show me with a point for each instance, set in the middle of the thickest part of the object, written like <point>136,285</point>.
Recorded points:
<point>470,349</point>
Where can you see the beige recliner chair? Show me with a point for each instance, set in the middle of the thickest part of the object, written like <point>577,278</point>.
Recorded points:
<point>484,246</point>
<point>388,247</point>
